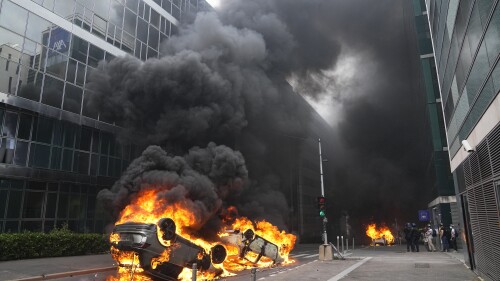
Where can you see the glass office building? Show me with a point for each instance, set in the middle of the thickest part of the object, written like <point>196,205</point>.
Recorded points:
<point>443,207</point>
<point>56,153</point>
<point>466,41</point>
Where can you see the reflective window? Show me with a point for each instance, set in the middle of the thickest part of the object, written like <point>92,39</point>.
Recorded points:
<point>496,77</point>
<point>14,206</point>
<point>73,98</point>
<point>50,210</point>
<point>94,164</point>
<point>484,7</point>
<point>67,160</point>
<point>101,8</point>
<point>478,73</point>
<point>62,208</point>
<point>96,54</point>
<point>81,163</point>
<point>133,5</point>
<point>13,17</point>
<point>44,130</point>
<point>55,162</point>
<point>52,91</point>
<point>10,124</point>
<point>3,202</point>
<point>85,139</point>
<point>103,166</point>
<point>21,154</point>
<point>40,155</point>
<point>31,89</point>
<point>33,203</point>
<point>37,28</point>
<point>69,134</point>
<point>24,127</point>
<point>64,8</point>
<point>492,36</point>
<point>474,30</point>
<point>129,22</point>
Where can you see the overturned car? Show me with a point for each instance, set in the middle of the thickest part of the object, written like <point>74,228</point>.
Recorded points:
<point>160,252</point>
<point>248,242</point>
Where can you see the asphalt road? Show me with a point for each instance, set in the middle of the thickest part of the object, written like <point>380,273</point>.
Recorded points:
<point>371,263</point>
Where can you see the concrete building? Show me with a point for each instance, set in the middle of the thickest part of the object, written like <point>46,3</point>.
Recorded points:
<point>466,42</point>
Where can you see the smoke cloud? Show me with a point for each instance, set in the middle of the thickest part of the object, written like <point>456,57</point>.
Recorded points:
<point>224,78</point>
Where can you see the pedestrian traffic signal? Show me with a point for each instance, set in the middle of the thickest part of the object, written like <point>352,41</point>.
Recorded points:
<point>322,206</point>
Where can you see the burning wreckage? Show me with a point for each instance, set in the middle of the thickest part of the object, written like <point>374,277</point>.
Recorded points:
<point>159,252</point>
<point>161,229</point>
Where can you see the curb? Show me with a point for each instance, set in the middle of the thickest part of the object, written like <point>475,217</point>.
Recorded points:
<point>66,274</point>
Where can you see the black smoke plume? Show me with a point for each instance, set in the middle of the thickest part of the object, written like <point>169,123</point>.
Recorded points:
<point>223,78</point>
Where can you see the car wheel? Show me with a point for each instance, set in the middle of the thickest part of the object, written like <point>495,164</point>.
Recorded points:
<point>168,228</point>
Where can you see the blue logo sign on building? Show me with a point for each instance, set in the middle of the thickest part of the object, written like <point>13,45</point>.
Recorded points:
<point>59,41</point>
<point>424,215</point>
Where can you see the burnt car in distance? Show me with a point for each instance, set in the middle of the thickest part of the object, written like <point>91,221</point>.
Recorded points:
<point>248,241</point>
<point>144,241</point>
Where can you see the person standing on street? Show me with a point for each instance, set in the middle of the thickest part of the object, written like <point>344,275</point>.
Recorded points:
<point>429,236</point>
<point>407,231</point>
<point>453,238</point>
<point>443,235</point>
<point>415,237</point>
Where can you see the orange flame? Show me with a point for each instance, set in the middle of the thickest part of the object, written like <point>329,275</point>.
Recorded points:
<point>148,207</point>
<point>382,232</point>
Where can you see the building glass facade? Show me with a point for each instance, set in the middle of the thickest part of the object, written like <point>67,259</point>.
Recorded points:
<point>56,152</point>
<point>443,209</point>
<point>466,41</point>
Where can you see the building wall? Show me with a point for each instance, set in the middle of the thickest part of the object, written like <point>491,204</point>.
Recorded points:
<point>443,186</point>
<point>56,153</point>
<point>466,41</point>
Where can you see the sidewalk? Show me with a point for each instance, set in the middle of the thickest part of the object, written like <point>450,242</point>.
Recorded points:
<point>62,266</point>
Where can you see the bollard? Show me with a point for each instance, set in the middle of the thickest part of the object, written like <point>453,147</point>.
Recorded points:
<point>347,244</point>
<point>338,248</point>
<point>254,274</point>
<point>342,238</point>
<point>193,278</point>
<point>353,243</point>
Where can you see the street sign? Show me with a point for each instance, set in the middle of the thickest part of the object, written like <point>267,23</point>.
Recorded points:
<point>424,215</point>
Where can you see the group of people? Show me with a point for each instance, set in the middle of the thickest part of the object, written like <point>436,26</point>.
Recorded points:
<point>447,235</point>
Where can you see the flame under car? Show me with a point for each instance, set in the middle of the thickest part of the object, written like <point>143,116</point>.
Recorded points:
<point>248,241</point>
<point>161,253</point>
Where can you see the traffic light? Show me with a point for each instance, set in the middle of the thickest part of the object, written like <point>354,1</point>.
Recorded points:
<point>322,206</point>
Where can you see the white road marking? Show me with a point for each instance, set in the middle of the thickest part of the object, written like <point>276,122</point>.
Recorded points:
<point>348,270</point>
<point>310,256</point>
<point>296,256</point>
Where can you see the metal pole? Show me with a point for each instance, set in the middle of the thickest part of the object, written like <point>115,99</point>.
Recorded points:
<point>325,237</point>
<point>347,243</point>
<point>353,243</point>
<point>193,277</point>
<point>254,274</point>
<point>338,248</point>
<point>342,238</point>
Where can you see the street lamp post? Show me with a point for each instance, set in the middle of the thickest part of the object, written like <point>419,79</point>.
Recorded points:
<point>325,250</point>
<point>325,220</point>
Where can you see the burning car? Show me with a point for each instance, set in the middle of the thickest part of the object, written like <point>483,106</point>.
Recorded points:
<point>248,242</point>
<point>160,252</point>
<point>380,236</point>
<point>379,241</point>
